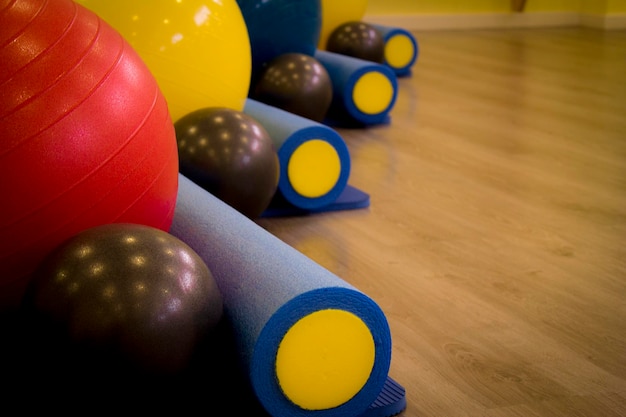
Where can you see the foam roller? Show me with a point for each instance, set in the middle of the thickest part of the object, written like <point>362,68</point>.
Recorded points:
<point>310,343</point>
<point>314,159</point>
<point>363,91</point>
<point>401,49</point>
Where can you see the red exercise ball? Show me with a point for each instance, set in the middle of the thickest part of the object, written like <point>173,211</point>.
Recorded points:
<point>87,137</point>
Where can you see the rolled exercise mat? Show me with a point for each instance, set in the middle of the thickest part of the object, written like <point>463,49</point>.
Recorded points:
<point>310,343</point>
<point>314,159</point>
<point>401,49</point>
<point>363,91</point>
<point>350,199</point>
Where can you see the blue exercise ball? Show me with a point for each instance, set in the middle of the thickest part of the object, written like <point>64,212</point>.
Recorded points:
<point>277,27</point>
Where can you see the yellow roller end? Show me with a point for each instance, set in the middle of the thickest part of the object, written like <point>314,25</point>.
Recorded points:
<point>325,359</point>
<point>399,51</point>
<point>373,93</point>
<point>314,168</point>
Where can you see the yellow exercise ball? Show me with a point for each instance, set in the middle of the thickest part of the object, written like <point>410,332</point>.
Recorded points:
<point>198,50</point>
<point>335,13</point>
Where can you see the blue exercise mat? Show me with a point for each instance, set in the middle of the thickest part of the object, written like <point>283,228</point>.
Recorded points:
<point>268,287</point>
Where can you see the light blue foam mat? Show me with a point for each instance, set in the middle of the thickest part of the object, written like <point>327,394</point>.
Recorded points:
<point>267,287</point>
<point>289,131</point>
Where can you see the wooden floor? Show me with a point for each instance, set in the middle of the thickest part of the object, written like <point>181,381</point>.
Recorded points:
<point>496,237</point>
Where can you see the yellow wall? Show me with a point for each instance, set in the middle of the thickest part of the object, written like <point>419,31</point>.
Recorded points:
<point>467,6</point>
<point>593,6</point>
<point>616,6</point>
<point>432,6</point>
<point>603,6</point>
<point>492,6</point>
<point>554,5</point>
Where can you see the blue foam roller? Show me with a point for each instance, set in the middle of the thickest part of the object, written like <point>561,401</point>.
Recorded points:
<point>389,32</point>
<point>289,132</point>
<point>345,71</point>
<point>267,286</point>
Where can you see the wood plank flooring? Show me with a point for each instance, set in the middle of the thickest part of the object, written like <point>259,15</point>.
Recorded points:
<point>496,237</point>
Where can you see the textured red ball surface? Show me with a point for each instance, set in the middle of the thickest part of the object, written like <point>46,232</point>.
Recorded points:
<point>86,137</point>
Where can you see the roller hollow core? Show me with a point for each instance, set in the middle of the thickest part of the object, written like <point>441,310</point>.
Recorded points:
<point>399,51</point>
<point>314,168</point>
<point>373,93</point>
<point>325,359</point>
